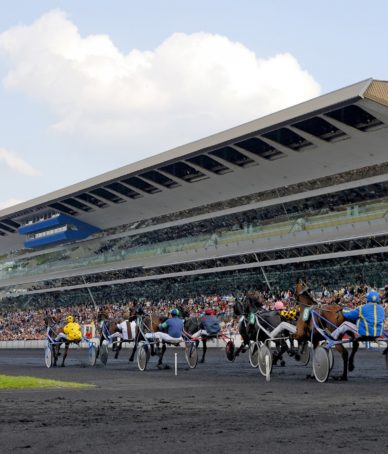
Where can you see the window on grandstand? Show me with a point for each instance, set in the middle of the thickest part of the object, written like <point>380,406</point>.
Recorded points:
<point>124,190</point>
<point>159,178</point>
<point>322,129</point>
<point>138,183</point>
<point>208,163</point>
<point>289,139</point>
<point>63,208</point>
<point>184,171</point>
<point>260,148</point>
<point>356,117</point>
<point>230,154</point>
<point>92,200</point>
<point>77,204</point>
<point>103,193</point>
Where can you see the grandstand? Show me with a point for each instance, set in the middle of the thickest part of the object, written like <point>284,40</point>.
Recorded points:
<point>301,192</point>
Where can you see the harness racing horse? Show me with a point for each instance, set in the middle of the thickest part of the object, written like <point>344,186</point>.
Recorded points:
<point>330,317</point>
<point>193,325</point>
<point>50,322</point>
<point>149,323</point>
<point>118,331</point>
<point>250,308</point>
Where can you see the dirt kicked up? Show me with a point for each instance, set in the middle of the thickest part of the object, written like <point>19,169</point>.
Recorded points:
<point>219,407</point>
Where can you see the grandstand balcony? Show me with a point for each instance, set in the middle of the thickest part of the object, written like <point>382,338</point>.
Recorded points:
<point>351,222</point>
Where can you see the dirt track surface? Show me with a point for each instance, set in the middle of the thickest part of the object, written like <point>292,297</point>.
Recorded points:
<point>219,407</point>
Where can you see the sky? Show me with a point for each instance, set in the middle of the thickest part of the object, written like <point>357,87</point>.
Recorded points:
<point>87,86</point>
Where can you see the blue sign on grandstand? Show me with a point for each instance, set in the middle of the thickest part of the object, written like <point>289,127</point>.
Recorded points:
<point>58,228</point>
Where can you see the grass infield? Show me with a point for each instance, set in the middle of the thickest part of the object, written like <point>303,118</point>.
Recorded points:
<point>23,382</point>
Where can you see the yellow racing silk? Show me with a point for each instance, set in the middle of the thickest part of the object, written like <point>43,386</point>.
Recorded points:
<point>73,331</point>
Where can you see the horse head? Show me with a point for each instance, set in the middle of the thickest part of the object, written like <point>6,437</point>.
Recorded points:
<point>303,324</point>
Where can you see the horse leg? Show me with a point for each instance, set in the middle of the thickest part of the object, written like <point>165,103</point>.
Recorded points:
<point>132,357</point>
<point>55,353</point>
<point>160,364</point>
<point>345,355</point>
<point>352,355</point>
<point>204,349</point>
<point>65,354</point>
<point>118,348</point>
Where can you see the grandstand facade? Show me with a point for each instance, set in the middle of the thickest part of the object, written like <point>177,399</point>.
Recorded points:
<point>301,192</point>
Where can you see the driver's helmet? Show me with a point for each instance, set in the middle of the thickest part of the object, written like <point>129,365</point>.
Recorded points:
<point>208,311</point>
<point>174,312</point>
<point>279,306</point>
<point>373,297</point>
<point>69,319</point>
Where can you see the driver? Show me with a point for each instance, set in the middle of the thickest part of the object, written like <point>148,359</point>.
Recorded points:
<point>71,331</point>
<point>209,325</point>
<point>366,320</point>
<point>173,326</point>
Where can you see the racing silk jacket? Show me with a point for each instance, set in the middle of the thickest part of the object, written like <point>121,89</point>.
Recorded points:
<point>368,317</point>
<point>211,324</point>
<point>174,326</point>
<point>73,331</point>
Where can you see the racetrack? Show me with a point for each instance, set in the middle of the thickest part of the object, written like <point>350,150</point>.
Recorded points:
<point>219,407</point>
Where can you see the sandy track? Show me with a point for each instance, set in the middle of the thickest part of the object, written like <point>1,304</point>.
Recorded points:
<point>220,407</point>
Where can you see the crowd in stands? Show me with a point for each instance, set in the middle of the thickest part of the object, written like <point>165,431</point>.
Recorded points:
<point>28,324</point>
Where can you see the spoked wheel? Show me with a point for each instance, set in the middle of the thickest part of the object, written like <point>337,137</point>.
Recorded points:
<point>321,364</point>
<point>265,362</point>
<point>104,352</point>
<point>48,356</point>
<point>303,354</point>
<point>191,354</point>
<point>254,354</point>
<point>143,356</point>
<point>331,358</point>
<point>92,355</point>
<point>230,350</point>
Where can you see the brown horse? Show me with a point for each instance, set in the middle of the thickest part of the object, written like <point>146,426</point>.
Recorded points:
<point>330,317</point>
<point>55,328</point>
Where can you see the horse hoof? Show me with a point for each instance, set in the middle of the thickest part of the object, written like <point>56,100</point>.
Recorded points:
<point>62,365</point>
<point>340,378</point>
<point>202,361</point>
<point>351,367</point>
<point>282,363</point>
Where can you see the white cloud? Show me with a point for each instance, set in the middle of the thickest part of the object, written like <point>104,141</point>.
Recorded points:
<point>16,163</point>
<point>10,202</point>
<point>189,86</point>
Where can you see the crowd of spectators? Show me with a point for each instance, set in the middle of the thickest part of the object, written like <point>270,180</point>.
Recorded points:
<point>28,324</point>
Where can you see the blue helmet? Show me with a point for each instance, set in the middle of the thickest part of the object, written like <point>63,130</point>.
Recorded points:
<point>373,297</point>
<point>174,312</point>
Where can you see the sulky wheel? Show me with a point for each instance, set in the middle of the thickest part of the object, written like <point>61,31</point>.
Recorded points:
<point>48,356</point>
<point>265,362</point>
<point>230,350</point>
<point>143,356</point>
<point>331,358</point>
<point>254,354</point>
<point>321,364</point>
<point>92,355</point>
<point>191,354</point>
<point>104,352</point>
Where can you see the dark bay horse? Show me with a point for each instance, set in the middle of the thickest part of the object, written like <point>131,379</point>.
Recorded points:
<point>331,318</point>
<point>249,310</point>
<point>55,327</point>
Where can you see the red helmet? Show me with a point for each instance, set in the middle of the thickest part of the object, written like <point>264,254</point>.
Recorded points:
<point>208,311</point>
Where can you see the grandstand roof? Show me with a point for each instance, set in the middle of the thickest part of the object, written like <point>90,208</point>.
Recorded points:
<point>340,131</point>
